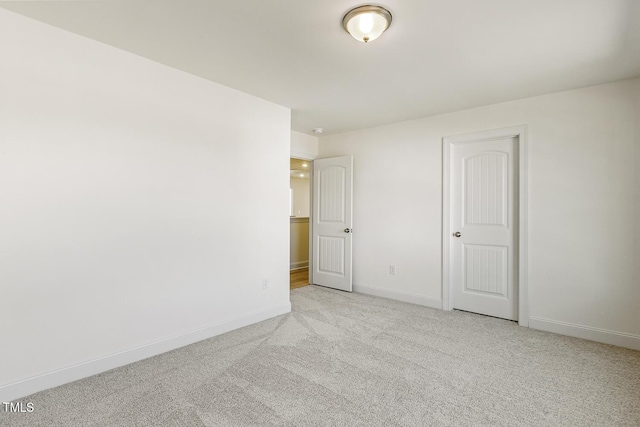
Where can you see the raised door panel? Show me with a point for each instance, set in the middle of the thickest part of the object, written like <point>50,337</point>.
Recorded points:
<point>486,270</point>
<point>485,189</point>
<point>331,255</point>
<point>331,189</point>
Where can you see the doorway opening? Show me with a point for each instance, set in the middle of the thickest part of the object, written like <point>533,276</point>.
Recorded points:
<point>299,210</point>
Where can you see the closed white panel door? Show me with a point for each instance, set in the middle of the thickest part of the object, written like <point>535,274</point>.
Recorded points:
<point>484,227</point>
<point>332,222</point>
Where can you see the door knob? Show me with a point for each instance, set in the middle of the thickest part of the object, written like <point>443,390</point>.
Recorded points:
<point>457,234</point>
<point>348,230</point>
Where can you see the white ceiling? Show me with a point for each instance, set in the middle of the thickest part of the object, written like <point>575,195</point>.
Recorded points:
<point>438,56</point>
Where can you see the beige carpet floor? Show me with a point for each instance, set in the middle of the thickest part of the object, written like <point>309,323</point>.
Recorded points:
<point>344,359</point>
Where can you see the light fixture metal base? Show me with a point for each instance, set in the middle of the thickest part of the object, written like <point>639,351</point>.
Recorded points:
<point>368,8</point>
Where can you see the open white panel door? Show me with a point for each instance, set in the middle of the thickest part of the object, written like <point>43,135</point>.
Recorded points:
<point>332,222</point>
<point>484,222</point>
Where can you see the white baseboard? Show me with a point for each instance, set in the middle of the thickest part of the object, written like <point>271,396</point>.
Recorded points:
<point>299,265</point>
<point>19,389</point>
<point>399,296</point>
<point>605,336</point>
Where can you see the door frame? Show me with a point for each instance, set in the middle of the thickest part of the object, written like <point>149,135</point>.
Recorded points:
<point>519,132</point>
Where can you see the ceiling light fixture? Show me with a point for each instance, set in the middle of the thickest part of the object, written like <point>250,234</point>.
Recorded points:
<point>318,130</point>
<point>366,23</point>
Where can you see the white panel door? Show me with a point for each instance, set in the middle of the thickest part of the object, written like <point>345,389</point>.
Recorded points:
<point>332,222</point>
<point>484,227</point>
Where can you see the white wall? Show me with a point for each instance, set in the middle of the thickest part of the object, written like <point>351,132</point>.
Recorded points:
<point>303,146</point>
<point>120,229</point>
<point>301,196</point>
<point>584,152</point>
<point>299,243</point>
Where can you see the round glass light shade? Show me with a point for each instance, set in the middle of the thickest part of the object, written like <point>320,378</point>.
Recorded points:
<point>366,23</point>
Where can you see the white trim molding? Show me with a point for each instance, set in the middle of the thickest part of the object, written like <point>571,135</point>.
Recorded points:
<point>298,265</point>
<point>519,132</point>
<point>399,296</point>
<point>302,155</point>
<point>605,336</point>
<point>298,219</point>
<point>19,389</point>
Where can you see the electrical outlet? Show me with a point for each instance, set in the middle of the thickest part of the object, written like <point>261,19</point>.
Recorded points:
<point>392,269</point>
<point>265,283</point>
